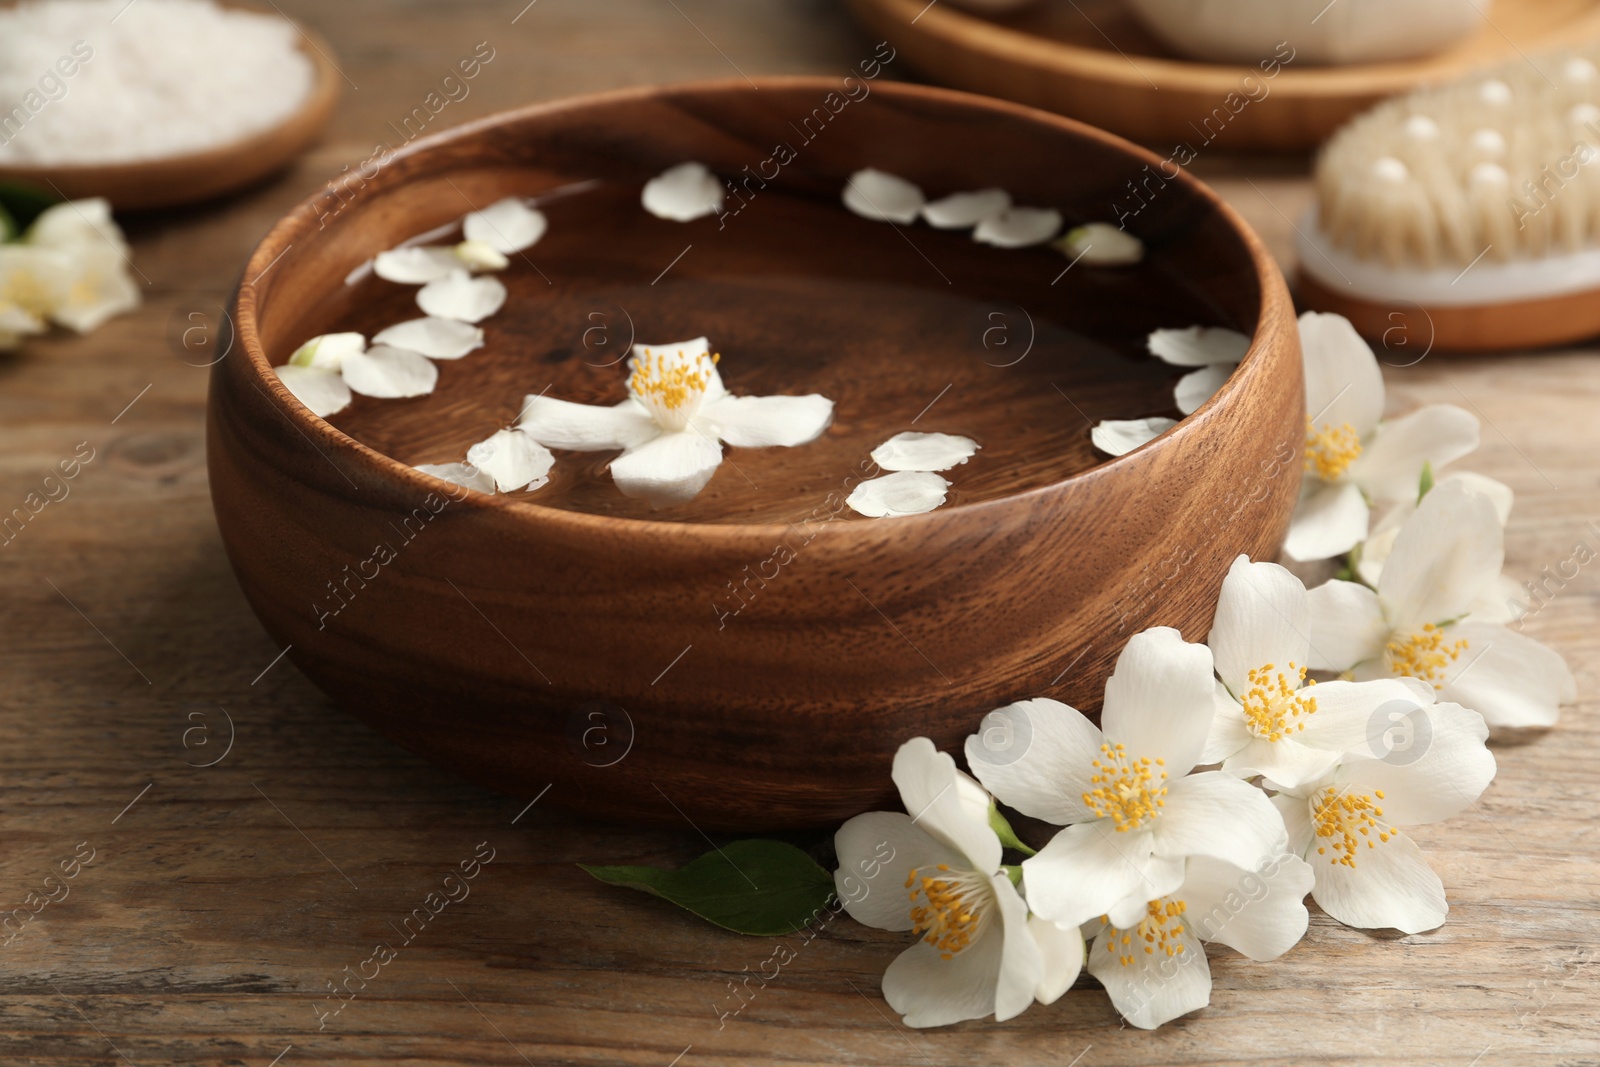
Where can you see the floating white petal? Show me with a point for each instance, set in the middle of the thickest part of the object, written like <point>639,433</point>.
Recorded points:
<point>416,265</point>
<point>323,391</point>
<point>1198,386</point>
<point>328,351</point>
<point>765,421</point>
<point>513,459</point>
<point>389,372</point>
<point>586,427</point>
<point>433,337</point>
<point>958,211</point>
<point>480,256</point>
<point>900,493</point>
<point>462,474</point>
<point>462,297</point>
<point>874,194</point>
<point>683,193</point>
<point>1019,227</point>
<point>1118,437</point>
<point>1100,244</point>
<point>506,226</point>
<point>1198,346</point>
<point>912,451</point>
<point>671,469</point>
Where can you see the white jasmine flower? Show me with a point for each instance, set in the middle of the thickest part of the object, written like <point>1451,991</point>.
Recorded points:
<point>960,211</point>
<point>937,873</point>
<point>670,426</point>
<point>1374,551</point>
<point>1118,437</point>
<point>15,324</point>
<point>874,194</point>
<point>1214,350</point>
<point>1269,720</point>
<point>683,193</point>
<point>462,297</point>
<point>33,283</point>
<point>433,337</point>
<point>98,288</point>
<point>1018,227</point>
<point>1355,459</point>
<point>912,451</point>
<point>323,372</point>
<point>1419,622</point>
<point>506,226</point>
<point>900,493</point>
<point>1100,244</point>
<point>1369,874</point>
<point>1132,811</point>
<point>1155,969</point>
<point>77,224</point>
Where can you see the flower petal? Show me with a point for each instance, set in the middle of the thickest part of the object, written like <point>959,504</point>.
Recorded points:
<point>1347,625</point>
<point>1350,716</point>
<point>959,211</point>
<point>1284,762</point>
<point>1037,756</point>
<point>1390,886</point>
<point>1089,868</point>
<point>1391,460</point>
<point>1022,962</point>
<point>900,493</point>
<point>1061,946</point>
<point>1343,383</point>
<point>1118,437</point>
<point>416,265</point>
<point>1019,227</point>
<point>1198,386</point>
<point>875,194</point>
<point>507,225</point>
<point>683,193</point>
<point>1443,558</point>
<point>1100,244</point>
<point>513,459</point>
<point>98,289</point>
<point>928,784</point>
<point>1441,770</point>
<point>686,354</point>
<point>1228,734</point>
<point>389,372</point>
<point>1217,815</point>
<point>1259,912</point>
<point>460,296</point>
<point>480,256</point>
<point>328,351</point>
<point>1296,813</point>
<point>586,427</point>
<point>669,469</point>
<point>431,337</point>
<point>1154,988</point>
<point>1159,699</point>
<point>1263,618</point>
<point>463,474</point>
<point>75,225</point>
<point>765,421</point>
<point>1198,346</point>
<point>1507,677</point>
<point>875,851</point>
<point>912,451</point>
<point>1329,521</point>
<point>323,391</point>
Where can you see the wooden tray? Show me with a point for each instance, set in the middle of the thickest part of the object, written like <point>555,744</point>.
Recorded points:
<point>194,176</point>
<point>1091,59</point>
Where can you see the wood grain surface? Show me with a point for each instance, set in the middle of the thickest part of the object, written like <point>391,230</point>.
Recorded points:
<point>222,901</point>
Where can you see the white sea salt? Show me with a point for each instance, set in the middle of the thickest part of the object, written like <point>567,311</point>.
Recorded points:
<point>167,77</point>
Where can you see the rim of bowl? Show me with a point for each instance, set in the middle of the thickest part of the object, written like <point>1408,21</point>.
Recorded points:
<point>321,97</point>
<point>286,229</point>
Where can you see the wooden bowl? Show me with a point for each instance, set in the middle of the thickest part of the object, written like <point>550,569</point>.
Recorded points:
<point>195,176</point>
<point>1093,60</point>
<point>571,638</point>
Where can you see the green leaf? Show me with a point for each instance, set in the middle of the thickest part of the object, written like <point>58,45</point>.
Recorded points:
<point>1426,483</point>
<point>8,225</point>
<point>1002,829</point>
<point>22,203</point>
<point>765,888</point>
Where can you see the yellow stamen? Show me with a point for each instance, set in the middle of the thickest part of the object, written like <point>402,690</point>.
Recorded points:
<point>1128,791</point>
<point>671,386</point>
<point>1340,816</point>
<point>1153,932</point>
<point>1274,706</point>
<point>954,908</point>
<point>1424,655</point>
<point>1331,450</point>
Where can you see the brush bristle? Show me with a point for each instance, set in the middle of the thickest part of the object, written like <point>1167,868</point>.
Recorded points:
<point>1502,165</point>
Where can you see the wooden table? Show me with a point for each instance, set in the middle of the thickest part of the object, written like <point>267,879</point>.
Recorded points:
<point>224,901</point>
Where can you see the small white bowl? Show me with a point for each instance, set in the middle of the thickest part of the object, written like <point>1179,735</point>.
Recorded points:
<point>1319,31</point>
